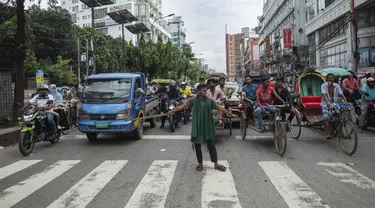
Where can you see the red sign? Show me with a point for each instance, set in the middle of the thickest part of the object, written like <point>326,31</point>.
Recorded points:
<point>287,33</point>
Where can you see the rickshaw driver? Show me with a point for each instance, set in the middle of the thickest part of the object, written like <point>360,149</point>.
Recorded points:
<point>265,99</point>
<point>331,93</point>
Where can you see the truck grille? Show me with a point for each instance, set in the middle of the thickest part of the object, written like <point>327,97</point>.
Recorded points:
<point>103,117</point>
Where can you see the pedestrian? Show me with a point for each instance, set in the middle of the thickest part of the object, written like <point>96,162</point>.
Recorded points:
<point>203,125</point>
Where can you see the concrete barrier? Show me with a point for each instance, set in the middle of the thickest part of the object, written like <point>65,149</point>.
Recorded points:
<point>9,136</point>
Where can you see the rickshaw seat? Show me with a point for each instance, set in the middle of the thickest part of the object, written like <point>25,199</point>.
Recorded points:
<point>311,102</point>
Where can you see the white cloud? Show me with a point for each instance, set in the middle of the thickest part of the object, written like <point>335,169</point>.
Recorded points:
<point>205,21</point>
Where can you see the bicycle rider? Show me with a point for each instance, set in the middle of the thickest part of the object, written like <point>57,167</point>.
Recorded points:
<point>331,94</point>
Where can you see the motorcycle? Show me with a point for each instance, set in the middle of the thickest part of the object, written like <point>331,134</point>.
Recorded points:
<point>187,111</point>
<point>176,118</point>
<point>34,129</point>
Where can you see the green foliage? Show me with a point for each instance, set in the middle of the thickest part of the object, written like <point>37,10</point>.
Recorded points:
<point>51,45</point>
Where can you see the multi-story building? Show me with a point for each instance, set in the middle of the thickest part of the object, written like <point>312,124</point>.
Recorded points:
<point>330,33</point>
<point>176,27</point>
<point>366,34</point>
<point>250,51</point>
<point>146,12</point>
<point>233,54</point>
<point>281,34</point>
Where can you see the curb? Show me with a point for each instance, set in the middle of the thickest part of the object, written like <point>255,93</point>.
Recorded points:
<point>9,138</point>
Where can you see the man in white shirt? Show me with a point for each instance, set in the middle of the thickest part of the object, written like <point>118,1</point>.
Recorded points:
<point>40,100</point>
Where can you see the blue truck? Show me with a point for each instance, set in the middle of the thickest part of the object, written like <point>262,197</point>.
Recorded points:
<point>112,101</point>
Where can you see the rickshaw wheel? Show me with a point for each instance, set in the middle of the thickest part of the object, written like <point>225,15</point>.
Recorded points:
<point>348,133</point>
<point>296,133</point>
<point>280,137</point>
<point>243,126</point>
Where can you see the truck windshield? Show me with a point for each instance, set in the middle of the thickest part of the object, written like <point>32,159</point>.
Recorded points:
<point>114,90</point>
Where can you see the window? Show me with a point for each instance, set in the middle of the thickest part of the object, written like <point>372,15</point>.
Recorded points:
<point>335,56</point>
<point>74,1</point>
<point>100,13</point>
<point>63,3</point>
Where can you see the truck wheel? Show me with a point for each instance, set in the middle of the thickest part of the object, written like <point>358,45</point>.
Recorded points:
<point>91,136</point>
<point>138,133</point>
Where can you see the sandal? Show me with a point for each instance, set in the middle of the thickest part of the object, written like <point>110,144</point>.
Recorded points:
<point>199,168</point>
<point>221,168</point>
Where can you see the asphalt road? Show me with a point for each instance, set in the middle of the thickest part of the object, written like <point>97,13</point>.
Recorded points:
<point>159,171</point>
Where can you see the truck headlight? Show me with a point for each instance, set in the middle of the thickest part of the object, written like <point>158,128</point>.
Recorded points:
<point>83,115</point>
<point>122,115</point>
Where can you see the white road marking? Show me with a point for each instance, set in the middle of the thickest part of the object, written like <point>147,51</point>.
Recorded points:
<point>255,137</point>
<point>348,175</point>
<point>16,193</point>
<point>88,187</point>
<point>154,187</point>
<point>218,188</point>
<point>294,191</point>
<point>16,167</point>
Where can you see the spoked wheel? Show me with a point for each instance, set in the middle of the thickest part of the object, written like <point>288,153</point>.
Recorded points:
<point>26,143</point>
<point>349,138</point>
<point>243,126</point>
<point>295,125</point>
<point>280,138</point>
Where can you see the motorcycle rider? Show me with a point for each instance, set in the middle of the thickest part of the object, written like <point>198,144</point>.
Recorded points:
<point>185,91</point>
<point>368,96</point>
<point>40,100</point>
<point>172,94</point>
<point>59,102</point>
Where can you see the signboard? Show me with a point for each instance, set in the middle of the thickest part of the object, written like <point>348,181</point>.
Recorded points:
<point>121,7</point>
<point>255,53</point>
<point>287,34</point>
<point>39,77</point>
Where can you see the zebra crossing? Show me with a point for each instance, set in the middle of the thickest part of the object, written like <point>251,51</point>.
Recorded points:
<point>218,189</point>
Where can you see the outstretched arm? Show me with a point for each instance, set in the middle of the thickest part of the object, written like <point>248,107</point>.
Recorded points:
<point>222,109</point>
<point>177,109</point>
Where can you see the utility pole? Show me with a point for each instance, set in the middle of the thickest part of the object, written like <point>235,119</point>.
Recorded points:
<point>87,58</point>
<point>79,61</point>
<point>355,32</point>
<point>92,41</point>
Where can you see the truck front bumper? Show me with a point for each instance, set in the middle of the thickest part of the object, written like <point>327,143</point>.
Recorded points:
<point>114,126</point>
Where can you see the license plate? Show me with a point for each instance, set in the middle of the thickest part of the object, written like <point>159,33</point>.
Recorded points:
<point>101,125</point>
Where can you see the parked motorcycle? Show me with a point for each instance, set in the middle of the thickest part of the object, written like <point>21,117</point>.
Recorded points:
<point>176,118</point>
<point>34,129</point>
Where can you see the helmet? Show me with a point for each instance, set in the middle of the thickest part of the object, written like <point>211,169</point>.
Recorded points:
<point>43,87</point>
<point>183,83</point>
<point>172,84</point>
<point>370,79</point>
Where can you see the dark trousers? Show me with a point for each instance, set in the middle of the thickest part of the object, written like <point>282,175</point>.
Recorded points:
<point>211,149</point>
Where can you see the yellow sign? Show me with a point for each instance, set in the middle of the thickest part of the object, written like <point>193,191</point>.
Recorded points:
<point>39,79</point>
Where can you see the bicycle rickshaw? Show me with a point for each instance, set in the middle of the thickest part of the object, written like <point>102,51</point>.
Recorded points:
<point>308,112</point>
<point>271,123</point>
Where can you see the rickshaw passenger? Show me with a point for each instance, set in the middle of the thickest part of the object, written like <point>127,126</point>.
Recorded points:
<point>331,93</point>
<point>350,87</point>
<point>265,100</point>
<point>285,95</point>
<point>250,91</point>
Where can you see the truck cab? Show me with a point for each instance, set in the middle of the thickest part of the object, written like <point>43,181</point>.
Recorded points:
<point>111,103</point>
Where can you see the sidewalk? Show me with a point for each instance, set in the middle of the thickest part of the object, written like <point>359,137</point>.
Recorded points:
<point>9,135</point>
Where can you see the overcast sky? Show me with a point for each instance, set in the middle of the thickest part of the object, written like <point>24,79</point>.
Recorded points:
<point>205,21</point>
